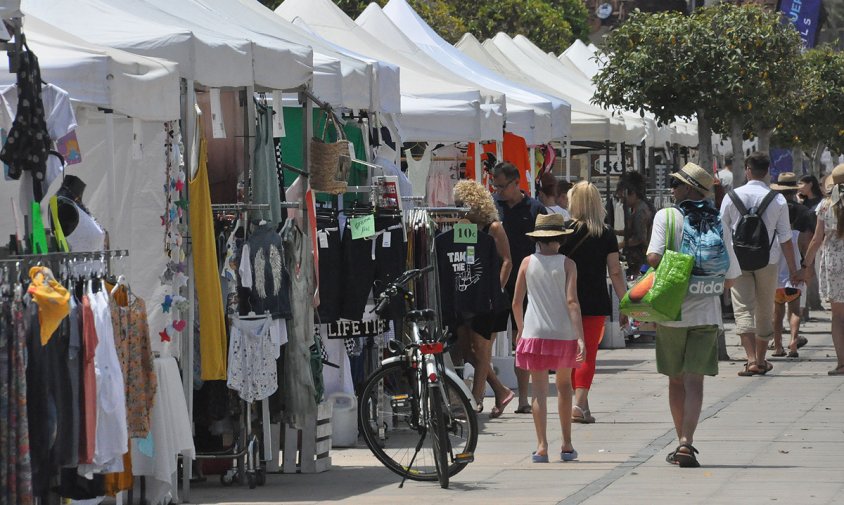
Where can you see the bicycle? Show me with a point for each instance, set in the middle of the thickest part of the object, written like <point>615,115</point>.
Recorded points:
<point>413,395</point>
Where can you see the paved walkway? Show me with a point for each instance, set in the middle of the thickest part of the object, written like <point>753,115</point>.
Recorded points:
<point>769,439</point>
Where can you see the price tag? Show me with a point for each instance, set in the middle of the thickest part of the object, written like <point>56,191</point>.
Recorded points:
<point>465,233</point>
<point>470,256</point>
<point>388,239</point>
<point>323,239</point>
<point>362,227</point>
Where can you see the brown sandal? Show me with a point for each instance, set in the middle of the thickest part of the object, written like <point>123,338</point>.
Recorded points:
<point>747,372</point>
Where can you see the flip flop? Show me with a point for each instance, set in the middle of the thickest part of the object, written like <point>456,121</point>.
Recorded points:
<point>538,458</point>
<point>583,418</point>
<point>780,354</point>
<point>499,409</point>
<point>801,341</point>
<point>524,409</point>
<point>568,455</point>
<point>837,371</point>
<point>793,354</point>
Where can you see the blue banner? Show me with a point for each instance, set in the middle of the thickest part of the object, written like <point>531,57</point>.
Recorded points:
<point>805,16</point>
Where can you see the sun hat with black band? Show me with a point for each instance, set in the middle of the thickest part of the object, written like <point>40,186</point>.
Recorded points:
<point>549,225</point>
<point>787,181</point>
<point>696,177</point>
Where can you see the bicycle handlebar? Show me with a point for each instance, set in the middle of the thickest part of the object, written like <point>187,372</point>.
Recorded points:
<point>393,288</point>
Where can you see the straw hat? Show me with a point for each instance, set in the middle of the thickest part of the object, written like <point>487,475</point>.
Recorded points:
<point>696,177</point>
<point>551,225</point>
<point>838,174</point>
<point>787,181</point>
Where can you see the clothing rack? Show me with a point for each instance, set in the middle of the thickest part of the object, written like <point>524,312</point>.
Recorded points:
<point>86,255</point>
<point>237,207</point>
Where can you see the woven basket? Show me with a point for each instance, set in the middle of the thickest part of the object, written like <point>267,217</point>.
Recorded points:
<point>330,162</point>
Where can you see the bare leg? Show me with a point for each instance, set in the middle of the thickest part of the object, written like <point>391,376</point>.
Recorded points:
<point>693,402</point>
<point>563,382</point>
<point>581,398</point>
<point>677,402</point>
<point>761,351</point>
<point>838,332</point>
<point>779,312</point>
<point>794,318</point>
<point>748,341</point>
<point>523,378</point>
<point>540,409</point>
<point>481,361</point>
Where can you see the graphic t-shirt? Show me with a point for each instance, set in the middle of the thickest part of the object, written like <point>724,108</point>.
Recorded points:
<point>468,275</point>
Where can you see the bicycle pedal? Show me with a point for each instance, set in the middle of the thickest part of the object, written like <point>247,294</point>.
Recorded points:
<point>464,457</point>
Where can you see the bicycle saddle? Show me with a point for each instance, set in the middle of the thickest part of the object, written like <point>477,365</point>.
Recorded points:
<point>420,315</point>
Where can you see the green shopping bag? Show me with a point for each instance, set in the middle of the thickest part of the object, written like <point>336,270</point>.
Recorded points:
<point>658,295</point>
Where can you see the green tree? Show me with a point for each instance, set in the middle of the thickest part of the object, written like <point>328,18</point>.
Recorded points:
<point>725,65</point>
<point>816,120</point>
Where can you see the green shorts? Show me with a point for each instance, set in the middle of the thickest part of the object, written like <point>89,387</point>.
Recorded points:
<point>692,349</point>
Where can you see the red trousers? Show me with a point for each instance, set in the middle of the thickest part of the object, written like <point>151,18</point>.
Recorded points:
<point>593,333</point>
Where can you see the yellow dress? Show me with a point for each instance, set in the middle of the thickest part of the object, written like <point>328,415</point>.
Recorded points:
<point>213,344</point>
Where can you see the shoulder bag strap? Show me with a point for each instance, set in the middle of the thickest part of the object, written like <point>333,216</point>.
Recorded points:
<point>737,202</point>
<point>579,243</point>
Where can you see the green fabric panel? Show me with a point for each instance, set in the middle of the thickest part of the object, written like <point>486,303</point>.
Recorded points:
<point>291,148</point>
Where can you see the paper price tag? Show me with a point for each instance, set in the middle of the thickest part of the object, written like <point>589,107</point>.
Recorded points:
<point>323,239</point>
<point>362,227</point>
<point>465,233</point>
<point>278,116</point>
<point>470,255</point>
<point>388,239</point>
<point>218,127</point>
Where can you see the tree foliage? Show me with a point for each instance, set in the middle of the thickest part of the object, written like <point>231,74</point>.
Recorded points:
<point>551,24</point>
<point>731,66</point>
<point>817,117</point>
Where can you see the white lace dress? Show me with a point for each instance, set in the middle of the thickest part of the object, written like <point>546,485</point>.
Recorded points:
<point>830,258</point>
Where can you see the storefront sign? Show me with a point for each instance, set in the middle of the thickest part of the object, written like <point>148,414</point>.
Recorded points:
<point>347,329</point>
<point>805,15</point>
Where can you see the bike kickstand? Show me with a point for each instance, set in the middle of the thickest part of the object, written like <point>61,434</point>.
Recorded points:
<point>410,465</point>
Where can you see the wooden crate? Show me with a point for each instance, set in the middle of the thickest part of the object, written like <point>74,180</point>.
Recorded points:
<point>308,450</point>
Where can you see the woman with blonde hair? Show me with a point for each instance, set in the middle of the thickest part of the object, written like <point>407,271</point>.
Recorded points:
<point>474,329</point>
<point>594,249</point>
<point>829,240</point>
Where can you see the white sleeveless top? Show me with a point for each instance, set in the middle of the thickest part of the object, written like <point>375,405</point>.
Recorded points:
<point>547,314</point>
<point>88,235</point>
<point>417,170</point>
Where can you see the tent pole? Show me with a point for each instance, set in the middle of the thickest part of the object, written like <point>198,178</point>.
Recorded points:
<point>532,158</point>
<point>479,176</point>
<point>249,142</point>
<point>186,343</point>
<point>109,124</point>
<point>568,159</point>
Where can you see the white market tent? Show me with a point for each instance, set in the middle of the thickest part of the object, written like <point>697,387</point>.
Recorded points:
<point>553,116</point>
<point>456,111</point>
<point>367,83</point>
<point>587,121</point>
<point>143,92</point>
<point>203,55</point>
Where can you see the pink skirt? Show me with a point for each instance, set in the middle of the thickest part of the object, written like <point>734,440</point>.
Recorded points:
<point>546,354</point>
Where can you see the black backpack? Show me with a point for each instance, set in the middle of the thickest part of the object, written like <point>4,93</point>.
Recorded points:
<point>750,238</point>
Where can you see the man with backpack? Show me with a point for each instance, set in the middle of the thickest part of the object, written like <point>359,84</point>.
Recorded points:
<point>687,350</point>
<point>756,216</point>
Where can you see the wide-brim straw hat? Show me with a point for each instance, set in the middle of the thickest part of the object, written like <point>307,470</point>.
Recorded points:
<point>550,225</point>
<point>838,174</point>
<point>787,181</point>
<point>696,177</point>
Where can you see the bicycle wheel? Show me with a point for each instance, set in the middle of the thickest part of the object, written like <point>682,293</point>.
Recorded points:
<point>389,420</point>
<point>438,433</point>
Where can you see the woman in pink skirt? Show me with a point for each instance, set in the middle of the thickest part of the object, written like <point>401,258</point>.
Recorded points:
<point>551,331</point>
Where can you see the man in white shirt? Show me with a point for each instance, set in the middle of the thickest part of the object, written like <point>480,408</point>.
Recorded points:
<point>687,350</point>
<point>753,292</point>
<point>725,175</point>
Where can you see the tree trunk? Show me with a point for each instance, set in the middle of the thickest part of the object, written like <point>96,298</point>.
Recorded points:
<point>737,140</point>
<point>797,160</point>
<point>704,140</point>
<point>765,139</point>
<point>816,161</point>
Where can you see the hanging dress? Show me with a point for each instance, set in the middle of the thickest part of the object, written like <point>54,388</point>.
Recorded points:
<point>212,321</point>
<point>265,187</point>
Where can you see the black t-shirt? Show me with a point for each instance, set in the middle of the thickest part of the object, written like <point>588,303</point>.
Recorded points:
<point>590,257</point>
<point>802,219</point>
<point>518,220</point>
<point>468,275</point>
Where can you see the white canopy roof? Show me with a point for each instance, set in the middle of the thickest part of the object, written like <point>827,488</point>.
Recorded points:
<point>204,55</point>
<point>418,82</point>
<point>364,83</point>
<point>587,121</point>
<point>138,86</point>
<point>553,116</point>
<point>583,58</point>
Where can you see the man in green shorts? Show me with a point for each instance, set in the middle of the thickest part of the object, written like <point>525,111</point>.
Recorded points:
<point>687,350</point>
